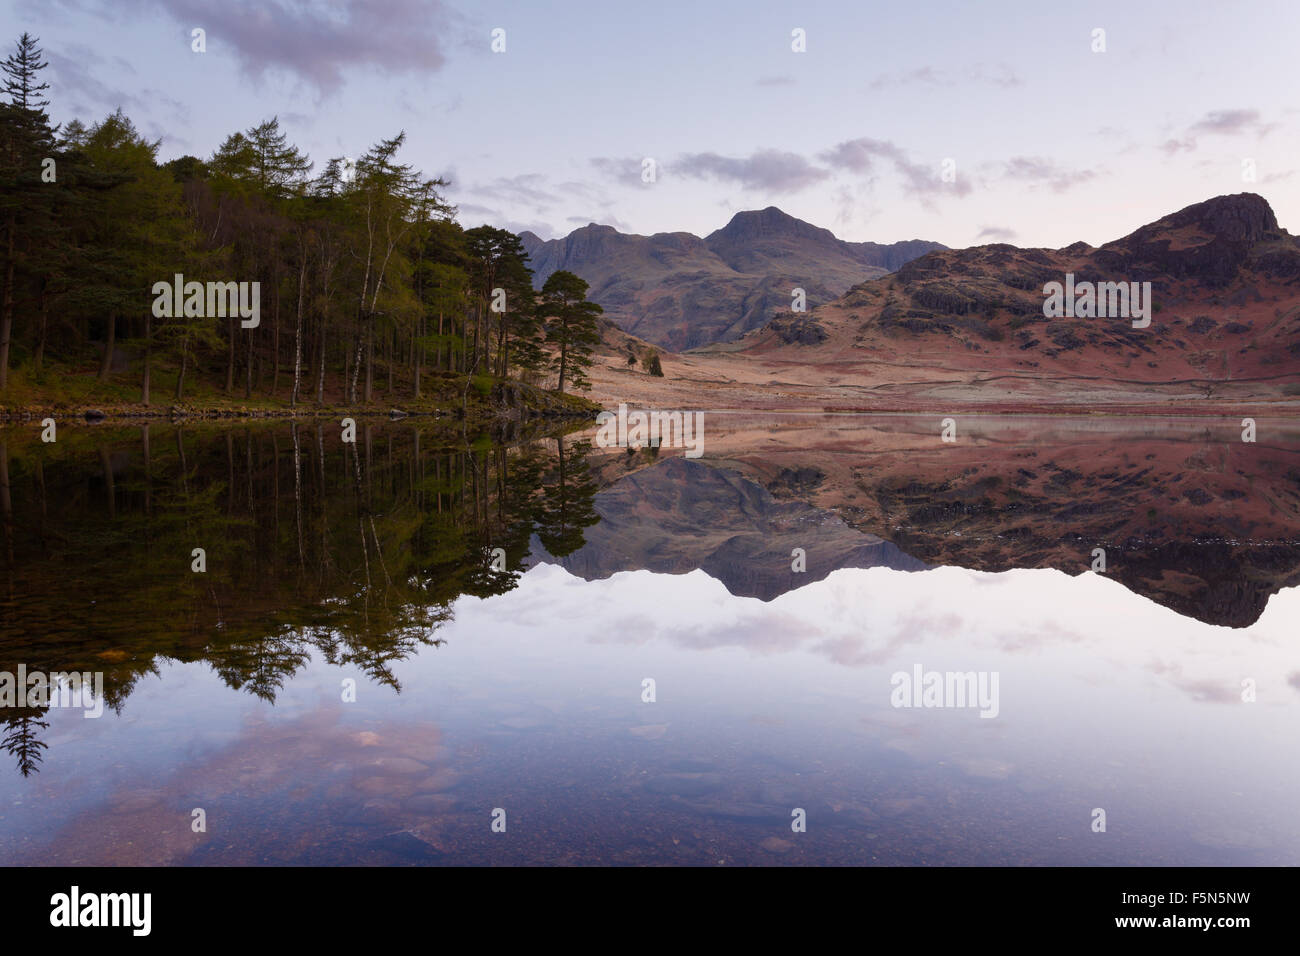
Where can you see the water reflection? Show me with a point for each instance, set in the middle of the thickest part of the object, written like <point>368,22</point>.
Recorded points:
<point>499,604</point>
<point>354,551</point>
<point>1187,513</point>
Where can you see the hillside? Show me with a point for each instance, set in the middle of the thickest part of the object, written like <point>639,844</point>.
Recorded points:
<point>679,291</point>
<point>966,327</point>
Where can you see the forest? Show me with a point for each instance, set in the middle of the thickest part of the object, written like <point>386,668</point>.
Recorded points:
<point>370,290</point>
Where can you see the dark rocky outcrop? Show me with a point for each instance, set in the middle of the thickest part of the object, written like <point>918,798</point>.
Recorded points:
<point>798,330</point>
<point>1208,241</point>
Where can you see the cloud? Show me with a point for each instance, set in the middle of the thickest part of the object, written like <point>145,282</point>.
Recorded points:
<point>1036,171</point>
<point>780,79</point>
<point>583,190</point>
<point>846,205</point>
<point>922,76</point>
<point>997,74</point>
<point>769,170</point>
<point>862,156</point>
<point>1236,122</point>
<point>997,233</point>
<point>1230,122</point>
<point>80,93</point>
<point>530,188</point>
<point>532,193</point>
<point>315,42</point>
<point>620,169</point>
<point>543,230</point>
<point>472,214</point>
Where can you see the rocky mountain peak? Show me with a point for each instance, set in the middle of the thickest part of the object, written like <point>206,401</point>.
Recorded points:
<point>1244,217</point>
<point>1227,228</point>
<point>768,223</point>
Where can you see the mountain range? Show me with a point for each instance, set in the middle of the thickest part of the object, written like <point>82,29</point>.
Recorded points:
<point>1225,280</point>
<point>679,291</point>
<point>961,327</point>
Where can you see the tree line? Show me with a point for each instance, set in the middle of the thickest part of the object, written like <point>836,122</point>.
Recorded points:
<point>367,282</point>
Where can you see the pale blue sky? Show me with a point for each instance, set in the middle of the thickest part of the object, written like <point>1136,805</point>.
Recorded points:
<point>1052,142</point>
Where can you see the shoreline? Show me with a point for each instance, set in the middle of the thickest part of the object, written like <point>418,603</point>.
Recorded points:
<point>95,414</point>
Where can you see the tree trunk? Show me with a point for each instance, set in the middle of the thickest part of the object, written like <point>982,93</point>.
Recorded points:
<point>275,375</point>
<point>370,360</point>
<point>230,364</point>
<point>7,303</point>
<point>180,379</point>
<point>148,334</point>
<point>416,346</point>
<point>356,367</point>
<point>297,343</point>
<point>320,372</point>
<point>39,360</point>
<point>564,355</point>
<point>501,347</point>
<point>108,347</point>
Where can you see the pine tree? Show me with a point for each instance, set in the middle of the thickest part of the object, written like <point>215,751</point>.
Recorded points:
<point>21,68</point>
<point>279,168</point>
<point>570,326</point>
<point>26,139</point>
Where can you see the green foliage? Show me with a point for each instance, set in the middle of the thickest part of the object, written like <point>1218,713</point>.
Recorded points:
<point>570,321</point>
<point>366,280</point>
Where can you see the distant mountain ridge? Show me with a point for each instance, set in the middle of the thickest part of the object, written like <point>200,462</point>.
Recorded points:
<point>680,291</point>
<point>1225,279</point>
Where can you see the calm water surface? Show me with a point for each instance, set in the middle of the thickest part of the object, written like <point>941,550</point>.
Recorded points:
<point>479,688</point>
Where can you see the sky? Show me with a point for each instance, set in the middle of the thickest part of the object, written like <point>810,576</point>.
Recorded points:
<point>964,123</point>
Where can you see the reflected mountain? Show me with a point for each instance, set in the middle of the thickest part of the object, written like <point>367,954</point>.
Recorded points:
<point>682,514</point>
<point>1186,513</point>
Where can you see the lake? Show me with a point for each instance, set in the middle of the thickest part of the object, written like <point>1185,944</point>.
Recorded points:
<point>832,639</point>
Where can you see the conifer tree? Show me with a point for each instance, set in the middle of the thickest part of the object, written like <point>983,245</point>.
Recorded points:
<point>571,326</point>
